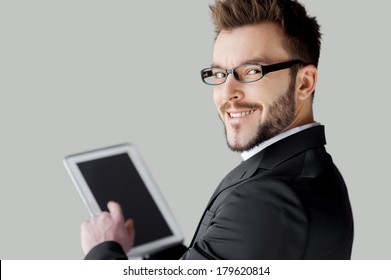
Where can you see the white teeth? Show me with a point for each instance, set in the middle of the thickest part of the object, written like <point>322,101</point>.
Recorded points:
<point>242,114</point>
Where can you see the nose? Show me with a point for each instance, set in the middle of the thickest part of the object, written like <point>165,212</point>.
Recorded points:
<point>231,90</point>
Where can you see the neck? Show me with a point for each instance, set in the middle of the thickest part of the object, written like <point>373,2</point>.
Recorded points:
<point>304,115</point>
<point>301,121</point>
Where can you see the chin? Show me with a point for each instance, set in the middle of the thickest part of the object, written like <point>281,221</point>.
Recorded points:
<point>240,143</point>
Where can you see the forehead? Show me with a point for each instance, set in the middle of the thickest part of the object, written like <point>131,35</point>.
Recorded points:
<point>262,42</point>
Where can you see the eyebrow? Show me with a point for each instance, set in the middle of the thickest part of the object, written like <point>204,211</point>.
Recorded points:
<point>254,60</point>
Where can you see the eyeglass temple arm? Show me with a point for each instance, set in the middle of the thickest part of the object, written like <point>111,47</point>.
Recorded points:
<point>279,66</point>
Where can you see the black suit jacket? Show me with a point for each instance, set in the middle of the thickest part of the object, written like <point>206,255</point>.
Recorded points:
<point>287,202</point>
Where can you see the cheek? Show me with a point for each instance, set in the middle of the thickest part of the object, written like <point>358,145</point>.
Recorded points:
<point>217,100</point>
<point>273,94</point>
<point>266,108</point>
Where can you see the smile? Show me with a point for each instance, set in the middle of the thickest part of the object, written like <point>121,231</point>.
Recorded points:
<point>240,114</point>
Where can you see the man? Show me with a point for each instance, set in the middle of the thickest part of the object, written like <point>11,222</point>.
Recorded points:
<point>286,200</point>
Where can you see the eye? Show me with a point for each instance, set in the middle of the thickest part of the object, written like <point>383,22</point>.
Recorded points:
<point>219,75</point>
<point>253,71</point>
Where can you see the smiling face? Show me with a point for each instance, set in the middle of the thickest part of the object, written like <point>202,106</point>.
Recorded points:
<point>254,112</point>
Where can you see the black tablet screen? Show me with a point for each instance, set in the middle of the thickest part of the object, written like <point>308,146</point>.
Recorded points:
<point>116,178</point>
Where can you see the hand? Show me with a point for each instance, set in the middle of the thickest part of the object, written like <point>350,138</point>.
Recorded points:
<point>108,226</point>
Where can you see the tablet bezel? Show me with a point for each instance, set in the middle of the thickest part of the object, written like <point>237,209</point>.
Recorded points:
<point>71,164</point>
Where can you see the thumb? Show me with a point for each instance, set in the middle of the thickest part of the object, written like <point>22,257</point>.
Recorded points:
<point>129,226</point>
<point>115,211</point>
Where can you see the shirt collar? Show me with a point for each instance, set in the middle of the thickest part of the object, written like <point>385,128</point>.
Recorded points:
<point>247,154</point>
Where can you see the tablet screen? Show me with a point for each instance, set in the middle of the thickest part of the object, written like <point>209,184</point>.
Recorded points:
<point>116,178</point>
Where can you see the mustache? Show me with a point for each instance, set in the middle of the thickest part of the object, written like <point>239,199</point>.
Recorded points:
<point>239,105</point>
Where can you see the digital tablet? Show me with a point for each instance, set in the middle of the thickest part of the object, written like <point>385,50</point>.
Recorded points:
<point>118,173</point>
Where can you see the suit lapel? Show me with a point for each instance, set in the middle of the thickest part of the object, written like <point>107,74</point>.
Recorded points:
<point>240,173</point>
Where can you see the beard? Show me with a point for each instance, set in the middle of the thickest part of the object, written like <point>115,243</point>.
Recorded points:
<point>281,115</point>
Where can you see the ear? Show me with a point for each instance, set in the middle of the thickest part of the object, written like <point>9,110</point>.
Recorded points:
<point>306,81</point>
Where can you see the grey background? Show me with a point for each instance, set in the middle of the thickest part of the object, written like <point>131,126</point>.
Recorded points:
<point>78,75</point>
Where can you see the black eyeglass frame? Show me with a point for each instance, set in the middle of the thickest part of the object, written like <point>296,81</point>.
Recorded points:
<point>265,70</point>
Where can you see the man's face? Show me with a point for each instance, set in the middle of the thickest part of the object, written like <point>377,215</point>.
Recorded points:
<point>253,112</point>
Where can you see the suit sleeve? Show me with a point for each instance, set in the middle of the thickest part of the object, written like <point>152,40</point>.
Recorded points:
<point>257,220</point>
<point>111,250</point>
<point>108,250</point>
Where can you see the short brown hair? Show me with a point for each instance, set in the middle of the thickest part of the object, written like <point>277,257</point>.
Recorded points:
<point>302,31</point>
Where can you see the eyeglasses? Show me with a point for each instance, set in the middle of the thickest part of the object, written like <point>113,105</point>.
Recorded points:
<point>246,73</point>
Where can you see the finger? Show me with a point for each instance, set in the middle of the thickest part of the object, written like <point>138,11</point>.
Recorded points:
<point>129,225</point>
<point>84,225</point>
<point>115,211</point>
